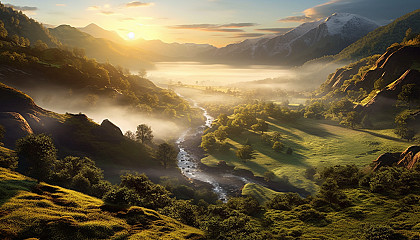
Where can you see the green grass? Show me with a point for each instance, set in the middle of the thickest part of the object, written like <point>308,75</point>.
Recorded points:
<point>44,211</point>
<point>368,208</point>
<point>315,143</point>
<point>262,194</point>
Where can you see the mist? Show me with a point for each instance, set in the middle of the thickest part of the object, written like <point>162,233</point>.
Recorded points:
<point>304,78</point>
<point>62,101</point>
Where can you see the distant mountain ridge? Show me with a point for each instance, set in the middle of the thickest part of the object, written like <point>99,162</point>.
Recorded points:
<point>98,32</point>
<point>308,41</point>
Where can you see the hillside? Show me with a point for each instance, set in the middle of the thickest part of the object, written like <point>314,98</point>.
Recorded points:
<point>38,210</point>
<point>377,41</point>
<point>104,50</point>
<point>17,23</point>
<point>98,32</point>
<point>74,134</point>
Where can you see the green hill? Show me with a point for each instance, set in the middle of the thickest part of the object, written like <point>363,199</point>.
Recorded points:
<point>17,23</point>
<point>38,210</point>
<point>377,41</point>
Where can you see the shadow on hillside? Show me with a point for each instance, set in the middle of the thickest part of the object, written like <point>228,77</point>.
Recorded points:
<point>9,188</point>
<point>380,135</point>
<point>313,128</point>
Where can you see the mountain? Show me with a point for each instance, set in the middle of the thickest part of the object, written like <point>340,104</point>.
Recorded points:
<point>98,32</point>
<point>173,51</point>
<point>381,86</point>
<point>377,41</point>
<point>305,42</point>
<point>17,23</point>
<point>104,50</point>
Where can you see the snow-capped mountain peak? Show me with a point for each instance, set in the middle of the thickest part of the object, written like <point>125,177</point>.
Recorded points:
<point>337,21</point>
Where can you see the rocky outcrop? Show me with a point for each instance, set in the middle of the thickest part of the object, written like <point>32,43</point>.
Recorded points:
<point>16,127</point>
<point>110,131</point>
<point>406,159</point>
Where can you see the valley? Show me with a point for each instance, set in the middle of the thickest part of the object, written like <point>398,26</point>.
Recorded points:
<point>210,120</point>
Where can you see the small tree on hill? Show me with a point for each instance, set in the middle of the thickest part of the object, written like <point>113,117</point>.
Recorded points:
<point>166,154</point>
<point>260,126</point>
<point>144,133</point>
<point>245,152</point>
<point>130,135</point>
<point>278,146</point>
<point>37,154</point>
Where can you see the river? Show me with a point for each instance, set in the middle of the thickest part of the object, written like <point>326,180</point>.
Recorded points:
<point>188,162</point>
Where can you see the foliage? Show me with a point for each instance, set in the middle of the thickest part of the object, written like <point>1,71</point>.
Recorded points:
<point>80,174</point>
<point>138,190</point>
<point>278,146</point>
<point>8,158</point>
<point>166,154</point>
<point>245,152</point>
<point>344,176</point>
<point>37,155</point>
<point>285,201</point>
<point>261,125</point>
<point>144,133</point>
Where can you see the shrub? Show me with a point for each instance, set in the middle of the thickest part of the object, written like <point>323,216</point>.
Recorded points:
<point>381,232</point>
<point>278,146</point>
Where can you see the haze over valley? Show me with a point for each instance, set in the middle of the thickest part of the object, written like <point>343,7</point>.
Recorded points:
<point>210,119</point>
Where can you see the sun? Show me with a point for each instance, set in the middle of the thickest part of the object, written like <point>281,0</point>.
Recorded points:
<point>131,35</point>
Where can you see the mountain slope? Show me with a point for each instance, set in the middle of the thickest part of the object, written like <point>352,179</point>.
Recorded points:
<point>18,23</point>
<point>98,32</point>
<point>377,41</point>
<point>305,42</point>
<point>103,50</point>
<point>31,210</point>
<point>74,134</point>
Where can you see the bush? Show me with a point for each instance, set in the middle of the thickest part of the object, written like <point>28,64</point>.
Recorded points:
<point>245,205</point>
<point>285,201</point>
<point>245,152</point>
<point>278,146</point>
<point>345,176</point>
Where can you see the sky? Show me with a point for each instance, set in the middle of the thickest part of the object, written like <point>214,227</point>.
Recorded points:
<point>217,22</point>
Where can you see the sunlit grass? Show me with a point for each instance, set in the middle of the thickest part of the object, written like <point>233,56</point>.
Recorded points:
<point>32,210</point>
<point>315,143</point>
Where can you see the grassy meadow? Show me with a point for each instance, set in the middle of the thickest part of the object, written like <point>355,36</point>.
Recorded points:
<point>29,209</point>
<point>315,143</point>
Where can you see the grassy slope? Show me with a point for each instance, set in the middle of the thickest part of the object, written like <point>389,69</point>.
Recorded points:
<point>262,194</point>
<point>369,208</point>
<point>58,213</point>
<point>315,143</point>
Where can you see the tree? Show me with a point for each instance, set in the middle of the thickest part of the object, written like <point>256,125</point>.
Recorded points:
<point>40,45</point>
<point>245,152</point>
<point>260,126</point>
<point>351,120</point>
<point>144,133</point>
<point>208,142</point>
<point>220,133</point>
<point>409,96</point>
<point>130,135</point>
<point>37,155</point>
<point>3,31</point>
<point>402,128</point>
<point>167,154</point>
<point>278,146</point>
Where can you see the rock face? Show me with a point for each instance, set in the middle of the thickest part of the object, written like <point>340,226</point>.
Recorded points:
<point>308,41</point>
<point>16,127</point>
<point>406,159</point>
<point>110,130</point>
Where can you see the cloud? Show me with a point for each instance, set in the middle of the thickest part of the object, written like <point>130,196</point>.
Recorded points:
<point>275,30</point>
<point>248,35</point>
<point>301,18</point>
<point>22,8</point>
<point>230,27</point>
<point>60,5</point>
<point>381,11</point>
<point>138,4</point>
<point>107,12</point>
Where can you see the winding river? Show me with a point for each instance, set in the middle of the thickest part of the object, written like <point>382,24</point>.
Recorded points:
<point>188,163</point>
